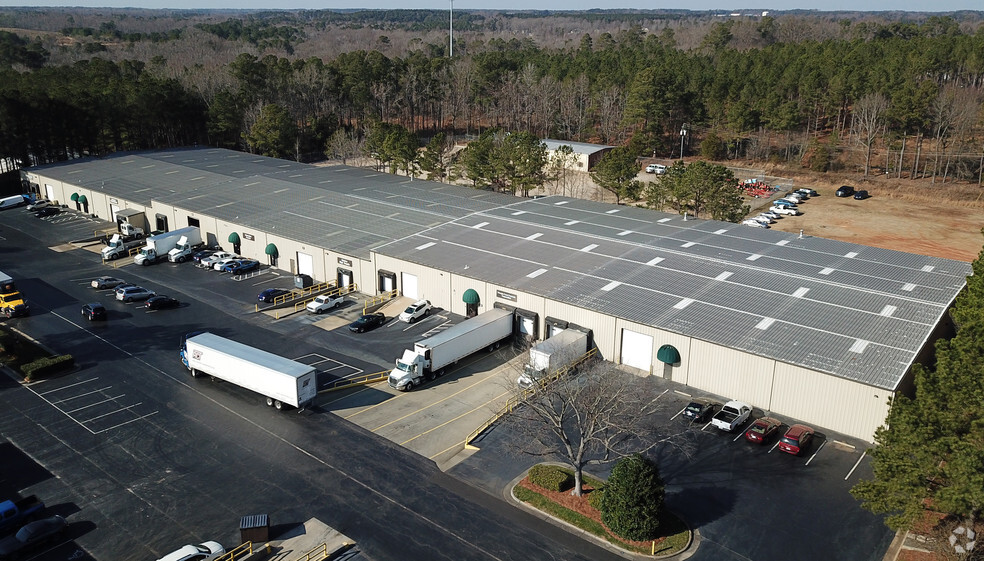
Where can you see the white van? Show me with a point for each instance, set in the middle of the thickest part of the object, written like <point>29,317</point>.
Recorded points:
<point>11,202</point>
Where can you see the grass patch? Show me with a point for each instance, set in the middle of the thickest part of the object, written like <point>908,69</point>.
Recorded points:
<point>674,534</point>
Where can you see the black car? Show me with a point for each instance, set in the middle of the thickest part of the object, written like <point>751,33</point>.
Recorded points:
<point>47,211</point>
<point>861,195</point>
<point>32,535</point>
<point>199,255</point>
<point>270,294</point>
<point>94,311</point>
<point>161,302</point>
<point>845,191</point>
<point>368,322</point>
<point>699,409</point>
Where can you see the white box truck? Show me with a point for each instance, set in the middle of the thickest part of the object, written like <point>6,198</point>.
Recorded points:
<point>553,354</point>
<point>159,245</point>
<point>431,356</point>
<point>12,201</point>
<point>280,380</point>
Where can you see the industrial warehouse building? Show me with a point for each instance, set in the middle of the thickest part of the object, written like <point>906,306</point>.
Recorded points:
<point>814,329</point>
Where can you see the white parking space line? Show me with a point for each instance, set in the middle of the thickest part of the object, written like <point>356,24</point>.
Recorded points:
<point>126,422</point>
<point>705,426</point>
<point>64,387</point>
<point>434,330</point>
<point>741,433</point>
<point>124,409</point>
<point>817,452</point>
<point>96,403</point>
<point>333,365</point>
<point>773,447</point>
<point>83,394</point>
<point>678,413</point>
<point>272,279</point>
<point>856,464</point>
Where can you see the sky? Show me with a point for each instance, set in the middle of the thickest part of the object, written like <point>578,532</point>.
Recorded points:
<point>725,5</point>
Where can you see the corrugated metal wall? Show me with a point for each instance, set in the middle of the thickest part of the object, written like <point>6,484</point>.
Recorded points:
<point>731,373</point>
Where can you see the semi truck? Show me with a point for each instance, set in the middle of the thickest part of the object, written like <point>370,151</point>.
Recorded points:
<point>553,354</point>
<point>12,302</point>
<point>159,245</point>
<point>280,380</point>
<point>117,247</point>
<point>430,357</point>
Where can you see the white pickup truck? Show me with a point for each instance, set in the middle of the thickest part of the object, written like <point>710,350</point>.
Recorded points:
<point>731,416</point>
<point>323,303</point>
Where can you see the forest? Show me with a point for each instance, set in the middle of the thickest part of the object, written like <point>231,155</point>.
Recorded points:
<point>817,90</point>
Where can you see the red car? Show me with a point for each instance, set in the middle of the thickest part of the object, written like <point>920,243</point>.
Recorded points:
<point>762,429</point>
<point>796,439</point>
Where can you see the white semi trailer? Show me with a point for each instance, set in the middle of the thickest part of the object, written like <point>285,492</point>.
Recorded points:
<point>553,354</point>
<point>280,380</point>
<point>431,356</point>
<point>159,245</point>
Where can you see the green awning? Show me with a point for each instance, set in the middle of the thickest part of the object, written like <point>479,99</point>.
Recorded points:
<point>470,297</point>
<point>271,250</point>
<point>75,197</point>
<point>668,354</point>
<point>234,238</point>
<point>83,200</point>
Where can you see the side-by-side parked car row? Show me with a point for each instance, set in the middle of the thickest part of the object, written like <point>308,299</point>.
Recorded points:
<point>734,414</point>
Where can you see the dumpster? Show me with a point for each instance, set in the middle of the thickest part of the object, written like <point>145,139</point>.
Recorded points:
<point>255,528</point>
<point>303,281</point>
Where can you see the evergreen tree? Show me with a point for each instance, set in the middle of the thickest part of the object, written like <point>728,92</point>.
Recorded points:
<point>633,499</point>
<point>616,173</point>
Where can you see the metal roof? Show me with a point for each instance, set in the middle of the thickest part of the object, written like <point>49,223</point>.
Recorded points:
<point>579,147</point>
<point>850,310</point>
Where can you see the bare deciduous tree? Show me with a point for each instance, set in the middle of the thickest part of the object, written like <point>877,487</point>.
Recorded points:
<point>869,113</point>
<point>598,414</point>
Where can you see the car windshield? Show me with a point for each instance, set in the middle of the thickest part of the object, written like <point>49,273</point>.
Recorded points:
<point>410,310</point>
<point>790,441</point>
<point>757,428</point>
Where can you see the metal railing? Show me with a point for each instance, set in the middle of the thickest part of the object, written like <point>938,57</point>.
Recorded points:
<point>339,291</point>
<point>359,381</point>
<point>525,394</point>
<point>317,554</point>
<point>370,302</point>
<point>237,553</point>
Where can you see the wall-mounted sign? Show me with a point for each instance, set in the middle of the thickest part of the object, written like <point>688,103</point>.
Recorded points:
<point>344,262</point>
<point>248,236</point>
<point>505,295</point>
<point>113,202</point>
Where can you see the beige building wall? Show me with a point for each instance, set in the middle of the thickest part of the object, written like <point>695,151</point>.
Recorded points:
<point>833,403</point>
<point>731,373</point>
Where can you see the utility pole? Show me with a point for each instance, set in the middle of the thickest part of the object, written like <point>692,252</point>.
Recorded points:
<point>683,135</point>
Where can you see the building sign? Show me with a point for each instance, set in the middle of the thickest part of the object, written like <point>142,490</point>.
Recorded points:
<point>248,236</point>
<point>344,262</point>
<point>505,295</point>
<point>113,202</point>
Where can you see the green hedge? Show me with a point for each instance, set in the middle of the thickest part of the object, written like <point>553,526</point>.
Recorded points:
<point>551,478</point>
<point>45,366</point>
<point>594,497</point>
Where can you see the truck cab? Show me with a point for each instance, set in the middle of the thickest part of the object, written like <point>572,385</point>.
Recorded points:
<point>13,304</point>
<point>409,371</point>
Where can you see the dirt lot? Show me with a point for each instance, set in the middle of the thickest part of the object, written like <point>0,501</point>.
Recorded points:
<point>937,221</point>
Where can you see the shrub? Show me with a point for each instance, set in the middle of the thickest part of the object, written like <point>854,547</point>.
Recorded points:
<point>633,499</point>
<point>595,497</point>
<point>48,365</point>
<point>551,478</point>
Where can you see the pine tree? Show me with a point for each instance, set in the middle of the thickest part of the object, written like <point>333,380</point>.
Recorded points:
<point>633,498</point>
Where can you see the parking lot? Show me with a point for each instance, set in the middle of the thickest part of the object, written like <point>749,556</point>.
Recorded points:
<point>748,501</point>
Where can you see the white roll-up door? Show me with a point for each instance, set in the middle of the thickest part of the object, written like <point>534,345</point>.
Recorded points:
<point>49,193</point>
<point>527,325</point>
<point>387,283</point>
<point>553,330</point>
<point>305,264</point>
<point>410,286</point>
<point>113,209</point>
<point>637,350</point>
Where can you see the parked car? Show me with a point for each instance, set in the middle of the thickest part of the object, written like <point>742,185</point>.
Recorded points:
<point>270,294</point>
<point>762,429</point>
<point>658,169</point>
<point>242,266</point>
<point>861,195</point>
<point>796,439</point>
<point>700,409</point>
<point>221,263</point>
<point>415,311</point>
<point>808,192</point>
<point>205,551</point>
<point>771,213</point>
<point>754,223</point>
<point>785,210</point>
<point>763,219</point>
<point>38,204</point>
<point>103,283</point>
<point>208,262</point>
<point>368,322</point>
<point>31,535</point>
<point>120,288</point>
<point>199,255</point>
<point>797,195</point>
<point>845,191</point>
<point>323,303</point>
<point>94,311</point>
<point>47,211</point>
<point>794,200</point>
<point>783,203</point>
<point>134,293</point>
<point>161,302</point>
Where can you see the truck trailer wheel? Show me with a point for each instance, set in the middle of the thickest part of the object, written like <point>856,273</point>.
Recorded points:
<point>408,387</point>
<point>194,373</point>
<point>277,405</point>
<point>269,402</point>
<point>181,259</point>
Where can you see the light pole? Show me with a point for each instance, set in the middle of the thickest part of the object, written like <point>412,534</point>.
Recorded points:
<point>683,135</point>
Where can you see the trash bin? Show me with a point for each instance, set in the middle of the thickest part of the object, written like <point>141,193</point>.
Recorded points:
<point>303,281</point>
<point>255,528</point>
